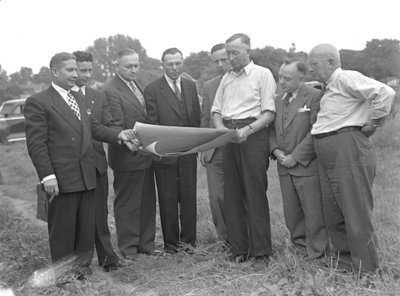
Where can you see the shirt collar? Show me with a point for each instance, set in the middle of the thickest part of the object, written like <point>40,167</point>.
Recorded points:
<point>333,75</point>
<point>294,94</point>
<point>171,81</point>
<point>124,80</point>
<point>77,88</point>
<point>62,91</point>
<point>246,69</point>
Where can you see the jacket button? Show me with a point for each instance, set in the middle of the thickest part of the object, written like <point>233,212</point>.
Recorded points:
<point>73,139</point>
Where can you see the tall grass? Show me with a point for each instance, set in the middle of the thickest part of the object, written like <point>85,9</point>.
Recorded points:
<point>207,271</point>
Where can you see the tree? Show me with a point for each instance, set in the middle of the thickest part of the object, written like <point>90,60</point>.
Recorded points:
<point>43,76</point>
<point>382,58</point>
<point>105,51</point>
<point>26,75</point>
<point>200,66</point>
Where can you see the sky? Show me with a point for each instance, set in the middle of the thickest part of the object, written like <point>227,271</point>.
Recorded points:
<point>32,31</point>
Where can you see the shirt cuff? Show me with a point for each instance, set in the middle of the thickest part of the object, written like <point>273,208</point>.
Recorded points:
<point>47,178</point>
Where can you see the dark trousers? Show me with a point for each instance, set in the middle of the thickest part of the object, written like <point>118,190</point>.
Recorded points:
<point>347,171</point>
<point>304,217</point>
<point>135,211</point>
<point>104,249</point>
<point>176,184</point>
<point>215,182</point>
<point>245,198</point>
<point>71,226</point>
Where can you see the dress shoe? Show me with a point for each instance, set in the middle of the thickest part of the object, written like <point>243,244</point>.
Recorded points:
<point>82,273</point>
<point>239,258</point>
<point>113,266</point>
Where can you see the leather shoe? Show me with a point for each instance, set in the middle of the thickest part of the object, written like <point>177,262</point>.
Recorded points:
<point>112,266</point>
<point>239,258</point>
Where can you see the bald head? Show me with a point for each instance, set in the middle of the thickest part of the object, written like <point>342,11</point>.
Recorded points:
<point>323,60</point>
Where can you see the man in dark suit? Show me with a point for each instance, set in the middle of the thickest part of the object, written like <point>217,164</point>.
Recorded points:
<point>98,108</point>
<point>212,159</point>
<point>135,199</point>
<point>58,133</point>
<point>292,145</point>
<point>172,100</point>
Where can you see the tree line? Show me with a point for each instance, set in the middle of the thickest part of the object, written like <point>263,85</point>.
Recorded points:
<point>380,59</point>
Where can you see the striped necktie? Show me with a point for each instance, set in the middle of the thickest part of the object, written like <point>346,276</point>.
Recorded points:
<point>177,91</point>
<point>137,93</point>
<point>74,105</point>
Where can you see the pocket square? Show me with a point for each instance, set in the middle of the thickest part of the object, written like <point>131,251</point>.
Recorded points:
<point>304,109</point>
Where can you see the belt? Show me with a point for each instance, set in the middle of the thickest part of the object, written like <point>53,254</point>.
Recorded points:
<point>239,121</point>
<point>344,129</point>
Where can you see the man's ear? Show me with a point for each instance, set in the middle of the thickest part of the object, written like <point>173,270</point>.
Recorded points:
<point>331,62</point>
<point>54,71</point>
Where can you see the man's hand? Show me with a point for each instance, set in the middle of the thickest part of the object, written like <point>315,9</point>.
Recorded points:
<point>127,135</point>
<point>279,154</point>
<point>132,145</point>
<point>369,129</point>
<point>288,161</point>
<point>51,188</point>
<point>202,161</point>
<point>242,134</point>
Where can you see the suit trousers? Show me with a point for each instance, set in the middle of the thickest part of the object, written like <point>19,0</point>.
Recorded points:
<point>135,211</point>
<point>245,198</point>
<point>302,208</point>
<point>177,185</point>
<point>71,226</point>
<point>347,171</point>
<point>215,182</point>
<point>104,249</point>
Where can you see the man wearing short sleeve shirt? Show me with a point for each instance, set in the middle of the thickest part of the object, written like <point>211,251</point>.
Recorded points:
<point>245,101</point>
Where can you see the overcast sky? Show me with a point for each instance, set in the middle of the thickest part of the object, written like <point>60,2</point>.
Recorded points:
<point>32,31</point>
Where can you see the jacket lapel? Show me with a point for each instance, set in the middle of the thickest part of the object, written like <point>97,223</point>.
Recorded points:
<point>169,95</point>
<point>128,94</point>
<point>186,95</point>
<point>279,115</point>
<point>62,108</point>
<point>85,124</point>
<point>299,102</point>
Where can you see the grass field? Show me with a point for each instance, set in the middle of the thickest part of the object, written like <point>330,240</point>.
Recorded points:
<point>24,246</point>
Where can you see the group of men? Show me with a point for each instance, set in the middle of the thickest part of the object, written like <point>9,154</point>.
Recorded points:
<point>320,140</point>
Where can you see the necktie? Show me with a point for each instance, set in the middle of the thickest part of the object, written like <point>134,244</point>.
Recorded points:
<point>288,98</point>
<point>137,93</point>
<point>177,91</point>
<point>80,91</point>
<point>73,105</point>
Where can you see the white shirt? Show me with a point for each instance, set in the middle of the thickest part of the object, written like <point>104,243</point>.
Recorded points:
<point>245,94</point>
<point>76,88</point>
<point>351,99</point>
<point>171,83</point>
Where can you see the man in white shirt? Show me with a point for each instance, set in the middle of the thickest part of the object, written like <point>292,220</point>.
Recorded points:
<point>245,101</point>
<point>351,109</point>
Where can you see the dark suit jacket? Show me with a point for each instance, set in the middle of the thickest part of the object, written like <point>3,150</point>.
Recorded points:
<point>59,144</point>
<point>292,135</point>
<point>125,109</point>
<point>162,105</point>
<point>210,89</point>
<point>98,108</point>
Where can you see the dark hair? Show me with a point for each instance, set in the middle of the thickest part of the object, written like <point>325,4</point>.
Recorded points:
<point>172,50</point>
<point>83,56</point>
<point>243,38</point>
<point>300,65</point>
<point>217,47</point>
<point>60,57</point>
<point>125,52</point>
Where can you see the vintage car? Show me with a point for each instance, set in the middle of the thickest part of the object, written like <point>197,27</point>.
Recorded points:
<point>12,121</point>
